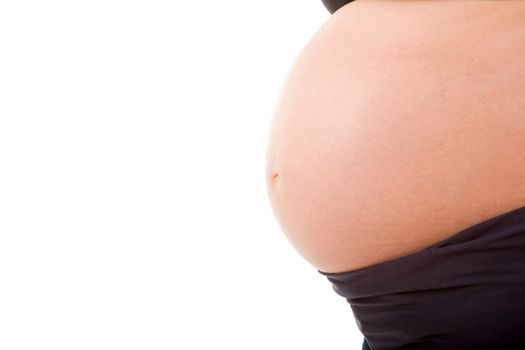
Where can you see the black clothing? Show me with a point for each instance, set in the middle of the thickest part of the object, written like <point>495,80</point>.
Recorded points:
<point>464,292</point>
<point>334,5</point>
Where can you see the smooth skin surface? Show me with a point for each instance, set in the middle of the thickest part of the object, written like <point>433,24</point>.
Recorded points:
<point>399,124</point>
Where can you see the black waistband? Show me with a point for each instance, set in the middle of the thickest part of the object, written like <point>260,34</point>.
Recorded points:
<point>465,292</point>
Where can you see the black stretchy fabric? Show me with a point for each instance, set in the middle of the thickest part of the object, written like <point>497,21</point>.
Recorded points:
<point>334,5</point>
<point>464,292</point>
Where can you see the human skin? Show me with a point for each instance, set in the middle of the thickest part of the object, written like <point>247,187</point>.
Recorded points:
<point>399,124</point>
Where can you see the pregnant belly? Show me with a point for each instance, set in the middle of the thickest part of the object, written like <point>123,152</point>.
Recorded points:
<point>399,124</point>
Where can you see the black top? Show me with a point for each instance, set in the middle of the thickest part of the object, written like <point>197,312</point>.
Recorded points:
<point>334,5</point>
<point>465,292</point>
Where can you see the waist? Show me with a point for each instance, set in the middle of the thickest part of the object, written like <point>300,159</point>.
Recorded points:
<point>464,292</point>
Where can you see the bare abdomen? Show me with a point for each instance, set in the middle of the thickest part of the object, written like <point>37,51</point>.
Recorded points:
<point>399,124</point>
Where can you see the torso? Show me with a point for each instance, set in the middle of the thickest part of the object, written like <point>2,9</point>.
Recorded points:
<point>400,123</point>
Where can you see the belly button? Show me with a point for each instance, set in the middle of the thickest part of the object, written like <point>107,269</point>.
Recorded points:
<point>273,178</point>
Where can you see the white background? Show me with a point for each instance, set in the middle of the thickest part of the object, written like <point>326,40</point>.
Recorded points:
<point>133,208</point>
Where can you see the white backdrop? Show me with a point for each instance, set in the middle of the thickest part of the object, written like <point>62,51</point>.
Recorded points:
<point>133,208</point>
